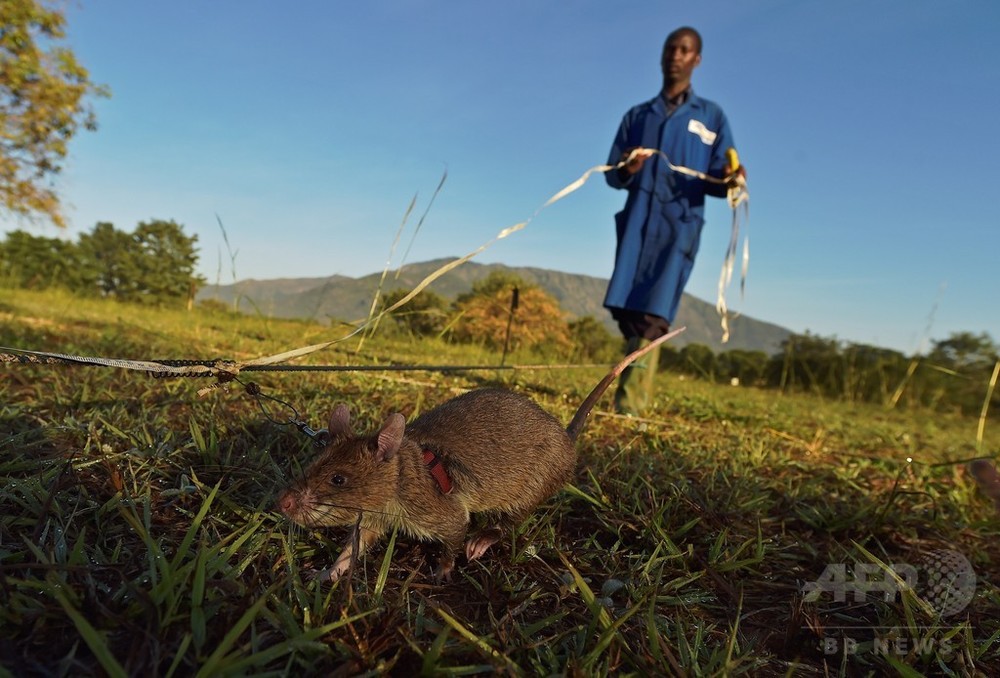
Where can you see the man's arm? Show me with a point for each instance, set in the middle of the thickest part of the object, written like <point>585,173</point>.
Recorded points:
<point>719,164</point>
<point>623,176</point>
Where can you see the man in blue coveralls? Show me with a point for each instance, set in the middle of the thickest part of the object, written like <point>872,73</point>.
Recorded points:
<point>660,227</point>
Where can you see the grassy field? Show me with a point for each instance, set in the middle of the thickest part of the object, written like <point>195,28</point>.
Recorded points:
<point>137,535</point>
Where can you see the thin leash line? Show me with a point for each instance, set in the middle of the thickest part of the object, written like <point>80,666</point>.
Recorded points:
<point>208,368</point>
<point>20,355</point>
<point>417,368</point>
<point>227,369</point>
<point>504,233</point>
<point>319,438</point>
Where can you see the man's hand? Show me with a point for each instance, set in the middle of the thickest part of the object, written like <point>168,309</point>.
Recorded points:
<point>634,158</point>
<point>735,178</point>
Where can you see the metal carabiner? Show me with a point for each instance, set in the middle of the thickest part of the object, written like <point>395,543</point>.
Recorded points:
<point>320,438</point>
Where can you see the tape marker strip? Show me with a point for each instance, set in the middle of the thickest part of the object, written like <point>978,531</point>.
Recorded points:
<point>737,195</point>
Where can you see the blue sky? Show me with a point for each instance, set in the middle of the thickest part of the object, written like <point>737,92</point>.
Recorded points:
<point>307,127</point>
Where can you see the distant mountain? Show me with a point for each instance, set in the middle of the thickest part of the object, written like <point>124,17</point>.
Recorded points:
<point>349,299</point>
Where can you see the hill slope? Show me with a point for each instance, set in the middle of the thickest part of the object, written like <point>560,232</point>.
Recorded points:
<point>349,299</point>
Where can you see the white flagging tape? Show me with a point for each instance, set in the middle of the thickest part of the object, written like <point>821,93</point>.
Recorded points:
<point>737,195</point>
<point>296,353</point>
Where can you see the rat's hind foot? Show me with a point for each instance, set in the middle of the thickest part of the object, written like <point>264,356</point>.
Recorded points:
<point>446,565</point>
<point>326,576</point>
<point>331,574</point>
<point>481,541</point>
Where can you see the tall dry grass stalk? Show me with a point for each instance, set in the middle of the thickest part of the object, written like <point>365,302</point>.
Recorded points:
<point>986,407</point>
<point>232,264</point>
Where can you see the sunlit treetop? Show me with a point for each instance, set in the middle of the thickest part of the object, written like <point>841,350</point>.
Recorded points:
<point>45,98</point>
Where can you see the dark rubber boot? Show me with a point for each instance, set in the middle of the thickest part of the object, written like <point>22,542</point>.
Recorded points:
<point>635,385</point>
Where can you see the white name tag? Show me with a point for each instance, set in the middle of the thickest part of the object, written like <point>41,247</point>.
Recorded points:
<point>706,135</point>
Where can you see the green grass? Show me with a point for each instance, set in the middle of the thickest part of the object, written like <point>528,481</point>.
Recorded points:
<point>137,536</point>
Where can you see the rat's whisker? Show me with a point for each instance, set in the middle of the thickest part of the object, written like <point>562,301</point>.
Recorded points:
<point>358,509</point>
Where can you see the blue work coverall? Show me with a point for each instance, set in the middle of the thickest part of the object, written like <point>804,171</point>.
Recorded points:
<point>660,227</point>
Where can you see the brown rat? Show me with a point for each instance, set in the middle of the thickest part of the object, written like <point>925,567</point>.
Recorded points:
<point>501,452</point>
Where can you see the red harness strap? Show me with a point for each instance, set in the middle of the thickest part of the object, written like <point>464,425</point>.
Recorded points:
<point>437,470</point>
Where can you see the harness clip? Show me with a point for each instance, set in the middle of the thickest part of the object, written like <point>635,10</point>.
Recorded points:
<point>320,438</point>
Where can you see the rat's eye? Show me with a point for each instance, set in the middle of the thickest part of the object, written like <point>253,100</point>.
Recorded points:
<point>338,480</point>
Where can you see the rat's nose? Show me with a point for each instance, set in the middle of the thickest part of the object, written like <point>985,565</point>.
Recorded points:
<point>287,503</point>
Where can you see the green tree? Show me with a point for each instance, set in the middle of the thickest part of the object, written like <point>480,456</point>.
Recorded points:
<point>871,373</point>
<point>747,366</point>
<point>165,263</point>
<point>593,342</point>
<point>153,264</point>
<point>36,262</point>
<point>44,100</point>
<point>496,283</point>
<point>808,362</point>
<point>699,359</point>
<point>965,351</point>
<point>109,262</point>
<point>424,315</point>
<point>962,365</point>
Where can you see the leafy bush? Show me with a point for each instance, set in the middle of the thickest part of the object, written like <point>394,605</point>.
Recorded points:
<point>537,323</point>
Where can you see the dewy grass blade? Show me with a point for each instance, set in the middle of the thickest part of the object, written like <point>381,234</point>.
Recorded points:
<point>600,614</point>
<point>93,639</point>
<point>242,666</point>
<point>652,632</point>
<point>433,655</point>
<point>606,638</point>
<point>987,644</point>
<point>192,532</point>
<point>179,655</point>
<point>483,646</point>
<point>734,632</point>
<point>533,629</point>
<point>199,629</point>
<point>231,549</point>
<point>903,670</point>
<point>577,492</point>
<point>196,435</point>
<point>214,663</point>
<point>383,571</point>
<point>157,561</point>
<point>908,596</point>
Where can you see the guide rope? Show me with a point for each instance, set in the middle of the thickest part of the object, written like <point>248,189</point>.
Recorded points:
<point>226,370</point>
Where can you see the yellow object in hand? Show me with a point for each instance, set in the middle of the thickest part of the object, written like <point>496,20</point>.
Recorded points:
<point>733,158</point>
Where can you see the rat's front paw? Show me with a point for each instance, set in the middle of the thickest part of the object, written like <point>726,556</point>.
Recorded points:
<point>443,575</point>
<point>446,566</point>
<point>317,575</point>
<point>477,545</point>
<point>327,576</point>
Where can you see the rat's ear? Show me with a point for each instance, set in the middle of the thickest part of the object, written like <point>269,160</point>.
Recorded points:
<point>391,436</point>
<point>340,421</point>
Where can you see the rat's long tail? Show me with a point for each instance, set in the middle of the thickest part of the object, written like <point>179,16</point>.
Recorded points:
<point>580,418</point>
